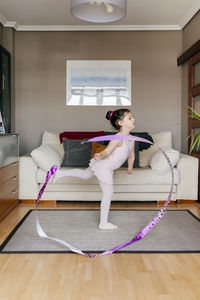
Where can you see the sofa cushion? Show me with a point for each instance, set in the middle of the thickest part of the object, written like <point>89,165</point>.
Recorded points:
<point>76,154</point>
<point>162,140</point>
<point>79,135</point>
<point>144,135</point>
<point>159,163</point>
<point>143,176</point>
<point>96,148</point>
<point>52,139</point>
<point>45,157</point>
<point>118,188</point>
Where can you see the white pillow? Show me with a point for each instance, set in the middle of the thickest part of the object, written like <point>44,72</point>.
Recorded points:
<point>53,140</point>
<point>162,139</point>
<point>46,156</point>
<point>159,163</point>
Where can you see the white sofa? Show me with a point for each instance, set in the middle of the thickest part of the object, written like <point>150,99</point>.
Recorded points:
<point>151,182</point>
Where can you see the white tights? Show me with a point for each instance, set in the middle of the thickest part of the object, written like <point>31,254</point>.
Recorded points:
<point>107,191</point>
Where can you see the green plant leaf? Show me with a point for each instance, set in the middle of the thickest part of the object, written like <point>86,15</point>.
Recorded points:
<point>194,143</point>
<point>193,113</point>
<point>195,138</point>
<point>198,142</point>
<point>188,136</point>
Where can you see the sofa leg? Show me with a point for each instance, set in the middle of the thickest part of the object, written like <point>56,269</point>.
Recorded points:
<point>162,202</point>
<point>185,201</point>
<point>42,201</point>
<point>179,201</point>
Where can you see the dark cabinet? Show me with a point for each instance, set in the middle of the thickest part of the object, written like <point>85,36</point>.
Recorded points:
<point>5,88</point>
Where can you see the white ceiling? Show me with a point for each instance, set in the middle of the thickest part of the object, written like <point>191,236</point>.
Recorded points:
<point>56,15</point>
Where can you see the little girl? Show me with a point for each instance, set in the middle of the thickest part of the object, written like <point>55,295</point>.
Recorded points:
<point>104,163</point>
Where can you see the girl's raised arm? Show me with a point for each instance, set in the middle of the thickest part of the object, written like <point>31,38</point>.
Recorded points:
<point>108,150</point>
<point>131,159</point>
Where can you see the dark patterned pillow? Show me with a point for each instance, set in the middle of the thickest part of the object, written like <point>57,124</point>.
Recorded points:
<point>144,135</point>
<point>76,154</point>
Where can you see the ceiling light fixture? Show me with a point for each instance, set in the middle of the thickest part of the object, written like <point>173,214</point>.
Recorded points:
<point>100,11</point>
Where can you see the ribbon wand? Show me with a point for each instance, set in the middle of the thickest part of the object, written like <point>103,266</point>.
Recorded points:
<point>140,235</point>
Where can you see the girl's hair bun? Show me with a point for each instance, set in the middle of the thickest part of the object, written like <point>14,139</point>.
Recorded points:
<point>115,116</point>
<point>108,115</point>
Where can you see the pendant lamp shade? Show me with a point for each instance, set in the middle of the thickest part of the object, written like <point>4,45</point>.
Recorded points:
<point>100,11</point>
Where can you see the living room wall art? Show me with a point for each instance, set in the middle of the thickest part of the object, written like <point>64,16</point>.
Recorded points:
<point>98,82</point>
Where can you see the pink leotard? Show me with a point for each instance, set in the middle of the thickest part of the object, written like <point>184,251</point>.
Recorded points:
<point>103,169</point>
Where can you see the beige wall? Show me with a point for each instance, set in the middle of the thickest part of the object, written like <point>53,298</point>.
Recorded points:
<point>191,34</point>
<point>41,77</point>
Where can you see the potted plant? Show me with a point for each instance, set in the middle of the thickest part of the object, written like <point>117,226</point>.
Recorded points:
<point>195,138</point>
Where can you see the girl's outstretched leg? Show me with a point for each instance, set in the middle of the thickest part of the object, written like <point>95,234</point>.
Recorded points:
<point>83,174</point>
<point>107,190</point>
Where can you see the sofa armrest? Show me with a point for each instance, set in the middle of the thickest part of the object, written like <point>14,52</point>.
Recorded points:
<point>28,187</point>
<point>188,171</point>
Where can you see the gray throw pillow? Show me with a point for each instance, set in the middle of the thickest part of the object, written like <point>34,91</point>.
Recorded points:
<point>76,154</point>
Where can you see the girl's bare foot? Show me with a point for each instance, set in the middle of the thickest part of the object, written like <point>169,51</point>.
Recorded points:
<point>55,177</point>
<point>107,226</point>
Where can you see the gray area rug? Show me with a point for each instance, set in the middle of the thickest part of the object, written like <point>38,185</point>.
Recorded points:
<point>177,231</point>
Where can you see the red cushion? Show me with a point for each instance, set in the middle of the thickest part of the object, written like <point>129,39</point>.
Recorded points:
<point>79,135</point>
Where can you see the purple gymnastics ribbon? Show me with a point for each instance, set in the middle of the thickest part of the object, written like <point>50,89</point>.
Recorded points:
<point>141,234</point>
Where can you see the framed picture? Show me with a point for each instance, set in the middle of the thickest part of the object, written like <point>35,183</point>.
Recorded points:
<point>98,82</point>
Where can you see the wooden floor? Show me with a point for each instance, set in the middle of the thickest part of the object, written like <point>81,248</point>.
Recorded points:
<point>111,277</point>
